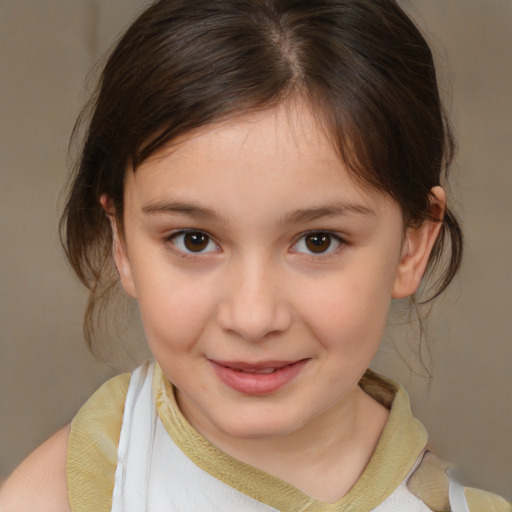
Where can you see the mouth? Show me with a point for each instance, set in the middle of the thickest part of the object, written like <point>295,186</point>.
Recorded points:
<point>263,367</point>
<point>257,378</point>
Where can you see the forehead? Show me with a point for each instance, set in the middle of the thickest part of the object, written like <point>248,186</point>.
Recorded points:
<point>288,131</point>
<point>282,154</point>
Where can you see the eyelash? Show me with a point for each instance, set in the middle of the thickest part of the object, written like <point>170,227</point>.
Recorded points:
<point>171,239</point>
<point>325,254</point>
<point>302,239</point>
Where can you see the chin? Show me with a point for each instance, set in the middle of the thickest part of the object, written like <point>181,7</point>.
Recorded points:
<point>259,427</point>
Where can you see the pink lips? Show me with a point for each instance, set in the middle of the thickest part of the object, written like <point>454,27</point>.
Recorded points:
<point>257,379</point>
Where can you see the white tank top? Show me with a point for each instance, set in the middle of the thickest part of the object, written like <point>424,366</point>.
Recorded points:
<point>154,475</point>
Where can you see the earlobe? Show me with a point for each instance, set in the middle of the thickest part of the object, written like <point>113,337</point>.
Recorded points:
<point>119,252</point>
<point>417,247</point>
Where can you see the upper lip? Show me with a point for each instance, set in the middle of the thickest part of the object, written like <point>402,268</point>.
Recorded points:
<point>262,365</point>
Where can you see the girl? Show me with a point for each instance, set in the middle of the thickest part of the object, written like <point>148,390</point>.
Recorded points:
<point>263,177</point>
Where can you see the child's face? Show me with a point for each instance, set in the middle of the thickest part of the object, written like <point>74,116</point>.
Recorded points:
<point>249,248</point>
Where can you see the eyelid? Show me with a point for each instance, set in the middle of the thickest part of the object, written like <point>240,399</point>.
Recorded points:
<point>330,252</point>
<point>169,238</point>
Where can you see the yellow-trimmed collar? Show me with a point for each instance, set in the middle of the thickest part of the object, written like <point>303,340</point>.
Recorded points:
<point>400,445</point>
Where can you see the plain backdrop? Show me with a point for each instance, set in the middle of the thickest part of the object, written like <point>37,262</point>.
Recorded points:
<point>47,48</point>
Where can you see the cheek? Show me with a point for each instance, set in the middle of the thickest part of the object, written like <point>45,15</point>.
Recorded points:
<point>350,310</point>
<point>174,308</point>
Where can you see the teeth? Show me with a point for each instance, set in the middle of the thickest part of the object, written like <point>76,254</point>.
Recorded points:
<point>265,370</point>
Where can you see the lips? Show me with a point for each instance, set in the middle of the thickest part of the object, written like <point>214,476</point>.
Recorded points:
<point>262,371</point>
<point>256,379</point>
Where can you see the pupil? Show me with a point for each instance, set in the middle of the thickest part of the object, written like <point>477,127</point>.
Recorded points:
<point>196,241</point>
<point>318,242</point>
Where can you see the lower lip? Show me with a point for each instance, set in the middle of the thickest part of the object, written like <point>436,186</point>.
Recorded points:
<point>258,383</point>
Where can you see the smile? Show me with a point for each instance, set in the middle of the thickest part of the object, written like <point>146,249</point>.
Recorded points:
<point>257,379</point>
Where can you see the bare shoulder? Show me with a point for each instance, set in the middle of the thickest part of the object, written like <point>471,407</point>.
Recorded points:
<point>39,482</point>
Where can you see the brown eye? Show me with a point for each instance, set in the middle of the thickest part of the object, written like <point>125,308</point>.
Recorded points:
<point>194,242</point>
<point>318,242</point>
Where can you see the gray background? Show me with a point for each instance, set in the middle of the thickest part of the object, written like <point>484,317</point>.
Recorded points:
<point>47,48</point>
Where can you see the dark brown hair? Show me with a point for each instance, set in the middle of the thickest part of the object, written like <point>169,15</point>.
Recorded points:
<point>361,64</point>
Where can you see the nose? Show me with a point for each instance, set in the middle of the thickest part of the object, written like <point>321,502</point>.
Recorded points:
<point>254,304</point>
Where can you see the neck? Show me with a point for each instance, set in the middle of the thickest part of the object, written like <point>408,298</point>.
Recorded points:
<point>324,458</point>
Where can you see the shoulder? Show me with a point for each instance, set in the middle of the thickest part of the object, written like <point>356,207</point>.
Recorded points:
<point>92,449</point>
<point>75,468</point>
<point>430,483</point>
<point>39,483</point>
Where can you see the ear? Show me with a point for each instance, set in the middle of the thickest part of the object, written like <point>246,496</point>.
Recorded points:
<point>119,252</point>
<point>418,246</point>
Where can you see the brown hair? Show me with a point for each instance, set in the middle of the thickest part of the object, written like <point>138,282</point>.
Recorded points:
<point>362,64</point>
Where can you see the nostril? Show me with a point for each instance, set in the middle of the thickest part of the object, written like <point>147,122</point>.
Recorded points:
<point>253,322</point>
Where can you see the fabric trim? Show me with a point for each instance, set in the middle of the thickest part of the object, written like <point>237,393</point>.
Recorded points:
<point>401,443</point>
<point>92,448</point>
<point>430,483</point>
<point>480,501</point>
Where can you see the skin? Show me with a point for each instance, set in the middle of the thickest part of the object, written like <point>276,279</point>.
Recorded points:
<point>256,186</point>
<point>39,483</point>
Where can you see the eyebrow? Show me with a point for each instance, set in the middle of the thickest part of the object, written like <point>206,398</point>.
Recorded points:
<point>334,210</point>
<point>177,207</point>
<point>296,217</point>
